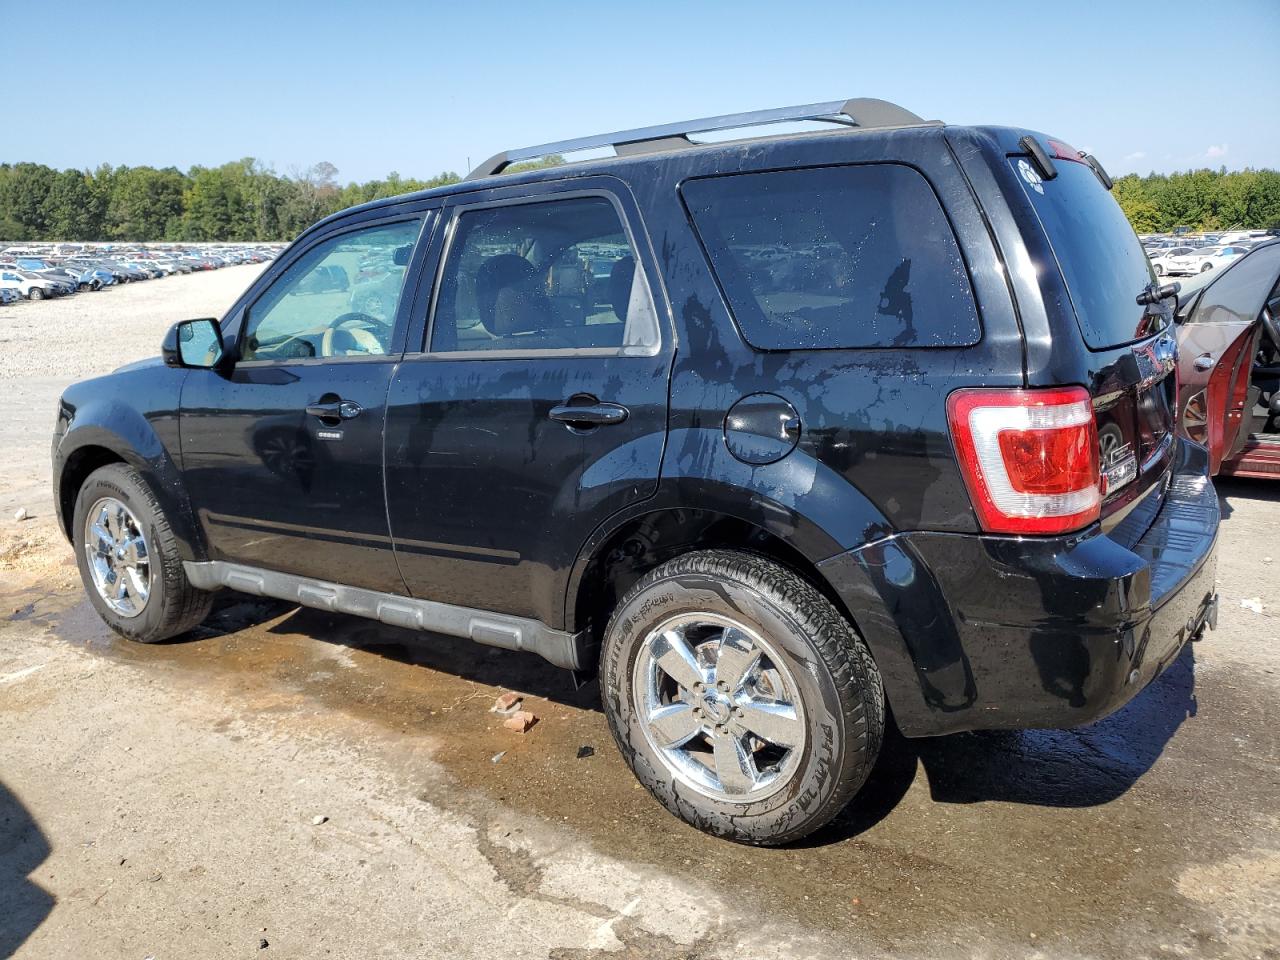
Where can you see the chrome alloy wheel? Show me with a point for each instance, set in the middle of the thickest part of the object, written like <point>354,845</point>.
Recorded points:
<point>119,562</point>
<point>719,706</point>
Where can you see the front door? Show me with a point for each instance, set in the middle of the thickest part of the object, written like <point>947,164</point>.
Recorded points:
<point>1217,343</point>
<point>538,407</point>
<point>282,456</point>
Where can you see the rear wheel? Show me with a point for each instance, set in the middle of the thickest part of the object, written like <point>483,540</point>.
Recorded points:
<point>1159,269</point>
<point>1207,267</point>
<point>128,559</point>
<point>741,698</point>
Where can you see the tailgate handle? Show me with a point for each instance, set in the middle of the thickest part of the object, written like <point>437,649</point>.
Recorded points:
<point>1204,362</point>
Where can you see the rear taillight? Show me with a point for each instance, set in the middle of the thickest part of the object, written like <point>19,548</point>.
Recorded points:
<point>1029,457</point>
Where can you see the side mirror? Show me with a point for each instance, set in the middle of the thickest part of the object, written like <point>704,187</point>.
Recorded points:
<point>193,343</point>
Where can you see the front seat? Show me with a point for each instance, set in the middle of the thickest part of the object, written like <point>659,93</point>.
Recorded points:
<point>512,305</point>
<point>621,277</point>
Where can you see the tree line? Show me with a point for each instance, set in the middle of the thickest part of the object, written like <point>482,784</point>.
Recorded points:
<point>247,200</point>
<point>243,200</point>
<point>1201,200</point>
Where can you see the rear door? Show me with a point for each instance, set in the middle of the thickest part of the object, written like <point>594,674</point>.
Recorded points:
<point>536,403</point>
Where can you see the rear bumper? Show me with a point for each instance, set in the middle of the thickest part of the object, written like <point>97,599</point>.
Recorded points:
<point>978,632</point>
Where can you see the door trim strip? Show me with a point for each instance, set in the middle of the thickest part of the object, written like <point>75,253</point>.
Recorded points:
<point>561,648</point>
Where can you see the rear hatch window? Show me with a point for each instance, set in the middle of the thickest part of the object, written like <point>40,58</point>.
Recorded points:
<point>1101,260</point>
<point>1134,385</point>
<point>835,257</point>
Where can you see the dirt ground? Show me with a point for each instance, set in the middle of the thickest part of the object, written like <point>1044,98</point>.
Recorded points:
<point>288,783</point>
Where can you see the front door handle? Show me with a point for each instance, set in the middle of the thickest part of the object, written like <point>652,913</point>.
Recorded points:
<point>1204,362</point>
<point>590,415</point>
<point>335,410</point>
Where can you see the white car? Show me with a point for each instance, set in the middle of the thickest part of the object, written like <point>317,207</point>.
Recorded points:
<point>1160,259</point>
<point>31,288</point>
<point>1204,258</point>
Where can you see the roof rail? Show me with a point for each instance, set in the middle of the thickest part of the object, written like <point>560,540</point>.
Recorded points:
<point>860,112</point>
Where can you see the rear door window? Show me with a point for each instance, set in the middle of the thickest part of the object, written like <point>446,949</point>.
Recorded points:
<point>1102,262</point>
<point>552,274</point>
<point>835,257</point>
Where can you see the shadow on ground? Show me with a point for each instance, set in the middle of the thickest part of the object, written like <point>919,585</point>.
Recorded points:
<point>23,847</point>
<point>1082,767</point>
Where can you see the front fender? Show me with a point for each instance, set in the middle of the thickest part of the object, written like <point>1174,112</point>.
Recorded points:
<point>102,425</point>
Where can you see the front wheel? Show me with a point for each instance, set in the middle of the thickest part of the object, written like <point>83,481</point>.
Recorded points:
<point>36,294</point>
<point>129,561</point>
<point>740,696</point>
<point>1159,269</point>
<point>1206,268</point>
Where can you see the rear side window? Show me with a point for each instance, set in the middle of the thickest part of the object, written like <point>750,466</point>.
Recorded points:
<point>837,257</point>
<point>1102,262</point>
<point>547,275</point>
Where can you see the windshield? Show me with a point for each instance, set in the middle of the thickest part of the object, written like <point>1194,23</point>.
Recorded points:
<point>1102,263</point>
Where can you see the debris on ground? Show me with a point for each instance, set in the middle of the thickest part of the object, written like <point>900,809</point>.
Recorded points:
<point>507,704</point>
<point>497,756</point>
<point>22,514</point>
<point>520,721</point>
<point>586,750</point>
<point>1252,603</point>
<point>317,820</point>
<point>262,943</point>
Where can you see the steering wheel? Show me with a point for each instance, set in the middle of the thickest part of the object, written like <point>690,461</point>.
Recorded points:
<point>366,341</point>
<point>1270,324</point>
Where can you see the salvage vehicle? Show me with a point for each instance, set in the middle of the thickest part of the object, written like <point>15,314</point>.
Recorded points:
<point>773,437</point>
<point>1229,363</point>
<point>28,285</point>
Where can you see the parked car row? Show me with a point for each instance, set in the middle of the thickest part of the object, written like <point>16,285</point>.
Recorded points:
<point>1187,254</point>
<point>42,272</point>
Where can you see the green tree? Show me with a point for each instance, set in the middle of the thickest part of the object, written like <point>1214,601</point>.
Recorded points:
<point>145,203</point>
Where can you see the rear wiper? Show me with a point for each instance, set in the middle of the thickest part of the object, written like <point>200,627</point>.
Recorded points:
<point>1155,292</point>
<point>1102,175</point>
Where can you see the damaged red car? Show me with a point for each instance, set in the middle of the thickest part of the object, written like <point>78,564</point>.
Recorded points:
<point>1229,364</point>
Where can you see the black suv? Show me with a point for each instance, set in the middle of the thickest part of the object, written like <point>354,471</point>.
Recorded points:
<point>775,435</point>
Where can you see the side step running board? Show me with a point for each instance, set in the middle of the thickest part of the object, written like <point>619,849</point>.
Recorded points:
<point>494,629</point>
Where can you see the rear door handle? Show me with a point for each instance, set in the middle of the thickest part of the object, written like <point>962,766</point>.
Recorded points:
<point>335,410</point>
<point>592,415</point>
<point>1204,362</point>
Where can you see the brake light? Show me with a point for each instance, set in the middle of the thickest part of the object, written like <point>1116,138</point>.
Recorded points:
<point>1064,151</point>
<point>1029,457</point>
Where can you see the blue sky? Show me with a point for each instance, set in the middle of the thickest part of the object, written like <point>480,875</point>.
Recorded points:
<point>418,88</point>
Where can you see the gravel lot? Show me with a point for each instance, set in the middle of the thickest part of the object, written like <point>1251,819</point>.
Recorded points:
<point>335,788</point>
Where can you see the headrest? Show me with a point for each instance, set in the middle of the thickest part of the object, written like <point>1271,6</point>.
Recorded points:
<point>508,296</point>
<point>620,279</point>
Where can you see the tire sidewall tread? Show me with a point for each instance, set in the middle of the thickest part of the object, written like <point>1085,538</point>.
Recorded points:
<point>174,606</point>
<point>838,680</point>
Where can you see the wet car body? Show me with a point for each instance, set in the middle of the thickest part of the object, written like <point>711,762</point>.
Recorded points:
<point>457,487</point>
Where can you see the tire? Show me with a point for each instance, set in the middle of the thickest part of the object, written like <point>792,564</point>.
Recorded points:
<point>173,606</point>
<point>820,661</point>
<point>1159,269</point>
<point>36,294</point>
<point>1206,268</point>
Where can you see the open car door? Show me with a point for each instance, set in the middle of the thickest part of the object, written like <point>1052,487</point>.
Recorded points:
<point>1226,352</point>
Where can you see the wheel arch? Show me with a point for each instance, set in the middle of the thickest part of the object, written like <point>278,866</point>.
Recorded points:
<point>131,440</point>
<point>632,546</point>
